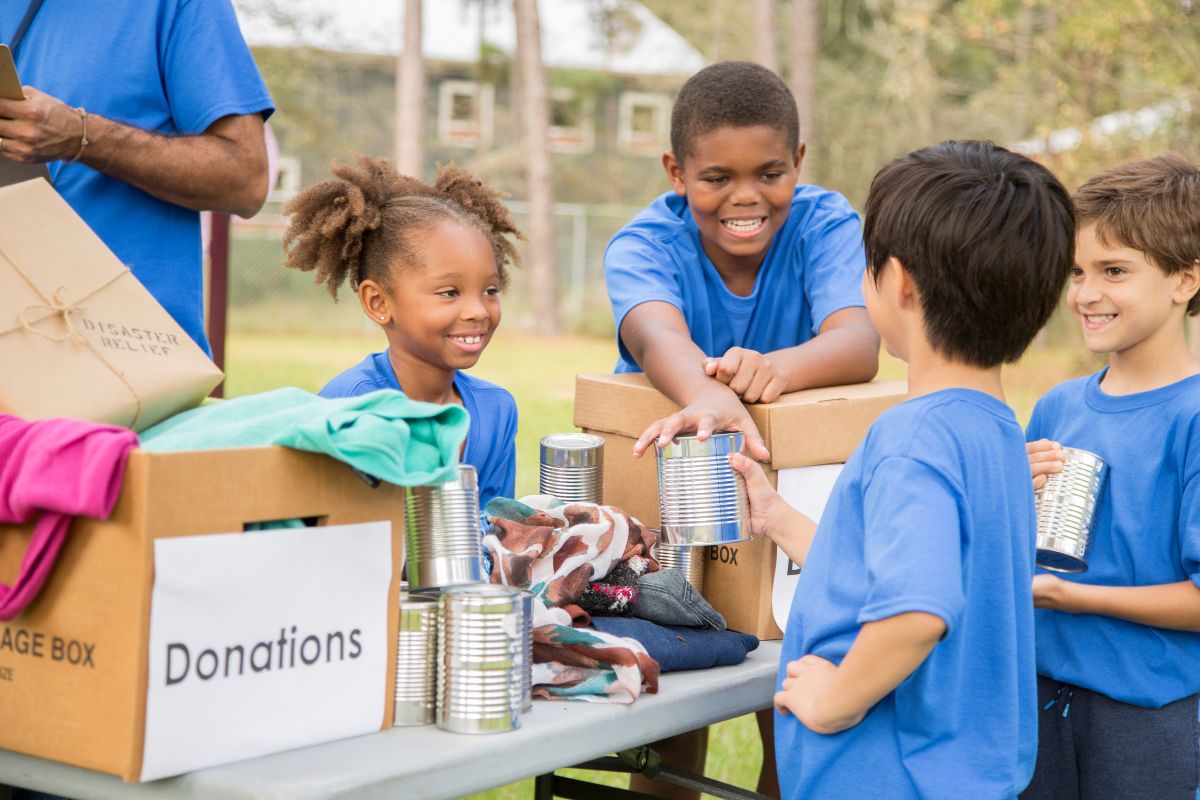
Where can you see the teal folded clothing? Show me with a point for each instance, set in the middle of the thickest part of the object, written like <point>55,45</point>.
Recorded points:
<point>383,433</point>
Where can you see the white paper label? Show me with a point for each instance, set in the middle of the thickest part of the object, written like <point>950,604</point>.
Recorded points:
<point>267,641</point>
<point>806,489</point>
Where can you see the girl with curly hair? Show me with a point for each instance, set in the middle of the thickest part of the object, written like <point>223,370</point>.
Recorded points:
<point>428,263</point>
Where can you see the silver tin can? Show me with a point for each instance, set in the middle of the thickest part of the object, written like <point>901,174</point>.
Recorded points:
<point>701,498</point>
<point>686,558</point>
<point>1066,511</point>
<point>416,660</point>
<point>441,533</point>
<point>572,467</point>
<point>525,643</point>
<point>480,659</point>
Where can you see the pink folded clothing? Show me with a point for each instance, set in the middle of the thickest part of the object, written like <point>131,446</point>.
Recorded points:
<point>62,468</point>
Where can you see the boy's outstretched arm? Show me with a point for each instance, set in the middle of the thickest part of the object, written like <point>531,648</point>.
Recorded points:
<point>846,350</point>
<point>771,515</point>
<point>657,337</point>
<point>1175,606</point>
<point>829,699</point>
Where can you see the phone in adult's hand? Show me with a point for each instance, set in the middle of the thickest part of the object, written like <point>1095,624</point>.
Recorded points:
<point>10,84</point>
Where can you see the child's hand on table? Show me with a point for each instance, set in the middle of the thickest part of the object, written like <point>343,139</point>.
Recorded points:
<point>713,412</point>
<point>750,374</point>
<point>804,694</point>
<point>1045,459</point>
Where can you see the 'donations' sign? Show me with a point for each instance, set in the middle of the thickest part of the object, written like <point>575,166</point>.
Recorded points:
<point>267,641</point>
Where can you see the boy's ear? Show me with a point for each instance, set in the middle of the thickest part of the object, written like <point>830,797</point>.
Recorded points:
<point>374,302</point>
<point>674,170</point>
<point>1189,283</point>
<point>905,286</point>
<point>800,151</point>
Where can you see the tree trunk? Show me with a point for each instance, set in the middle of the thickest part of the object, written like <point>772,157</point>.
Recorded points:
<point>535,115</point>
<point>410,96</point>
<point>804,50</point>
<point>766,35</point>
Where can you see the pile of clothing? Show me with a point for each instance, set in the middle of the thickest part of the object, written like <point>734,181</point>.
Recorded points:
<point>607,620</point>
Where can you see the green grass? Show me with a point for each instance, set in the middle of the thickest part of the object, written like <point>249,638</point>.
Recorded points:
<point>540,373</point>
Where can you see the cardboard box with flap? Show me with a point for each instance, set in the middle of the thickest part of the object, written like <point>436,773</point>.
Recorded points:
<point>79,335</point>
<point>75,662</point>
<point>815,426</point>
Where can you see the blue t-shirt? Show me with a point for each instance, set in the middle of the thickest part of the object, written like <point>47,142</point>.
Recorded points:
<point>166,66</point>
<point>1147,532</point>
<point>491,439</point>
<point>933,512</point>
<point>813,268</point>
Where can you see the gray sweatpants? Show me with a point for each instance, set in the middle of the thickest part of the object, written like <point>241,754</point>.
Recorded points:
<point>1091,747</point>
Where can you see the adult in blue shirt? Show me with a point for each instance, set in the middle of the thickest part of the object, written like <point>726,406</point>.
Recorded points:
<point>147,112</point>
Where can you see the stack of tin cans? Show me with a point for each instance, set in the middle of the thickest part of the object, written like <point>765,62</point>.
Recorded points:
<point>572,467</point>
<point>441,532</point>
<point>688,559</point>
<point>1066,511</point>
<point>482,658</point>
<point>701,498</point>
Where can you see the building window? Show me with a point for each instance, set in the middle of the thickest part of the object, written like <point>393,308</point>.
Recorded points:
<point>570,121</point>
<point>464,113</point>
<point>644,123</point>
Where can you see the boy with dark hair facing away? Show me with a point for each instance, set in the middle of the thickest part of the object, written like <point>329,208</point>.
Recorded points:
<point>738,285</point>
<point>1118,646</point>
<point>907,667</point>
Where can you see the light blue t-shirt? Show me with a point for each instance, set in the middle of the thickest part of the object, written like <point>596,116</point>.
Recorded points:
<point>491,439</point>
<point>934,513</point>
<point>1147,532</point>
<point>167,66</point>
<point>813,268</point>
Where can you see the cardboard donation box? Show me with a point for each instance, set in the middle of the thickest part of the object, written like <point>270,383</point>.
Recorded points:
<point>166,639</point>
<point>815,426</point>
<point>79,335</point>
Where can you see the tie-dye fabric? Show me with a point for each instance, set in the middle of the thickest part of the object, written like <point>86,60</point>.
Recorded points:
<point>556,551</point>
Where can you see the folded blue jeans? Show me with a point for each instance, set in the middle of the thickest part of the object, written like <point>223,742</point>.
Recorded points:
<point>668,599</point>
<point>677,648</point>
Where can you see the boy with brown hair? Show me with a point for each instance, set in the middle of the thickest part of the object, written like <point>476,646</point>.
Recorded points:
<point>1118,646</point>
<point>908,667</point>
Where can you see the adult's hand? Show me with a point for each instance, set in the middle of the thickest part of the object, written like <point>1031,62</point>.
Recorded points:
<point>39,128</point>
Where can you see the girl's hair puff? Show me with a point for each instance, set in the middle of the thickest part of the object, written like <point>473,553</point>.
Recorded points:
<point>366,220</point>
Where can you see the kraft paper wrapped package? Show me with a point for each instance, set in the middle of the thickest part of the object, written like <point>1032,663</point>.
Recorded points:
<point>79,335</point>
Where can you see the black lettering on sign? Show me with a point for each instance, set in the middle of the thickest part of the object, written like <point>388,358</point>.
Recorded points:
<point>25,643</point>
<point>723,553</point>
<point>176,650</point>
<point>6,674</point>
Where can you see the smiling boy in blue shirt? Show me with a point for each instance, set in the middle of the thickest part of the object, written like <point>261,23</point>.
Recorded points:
<point>738,285</point>
<point>907,667</point>
<point>1118,646</point>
